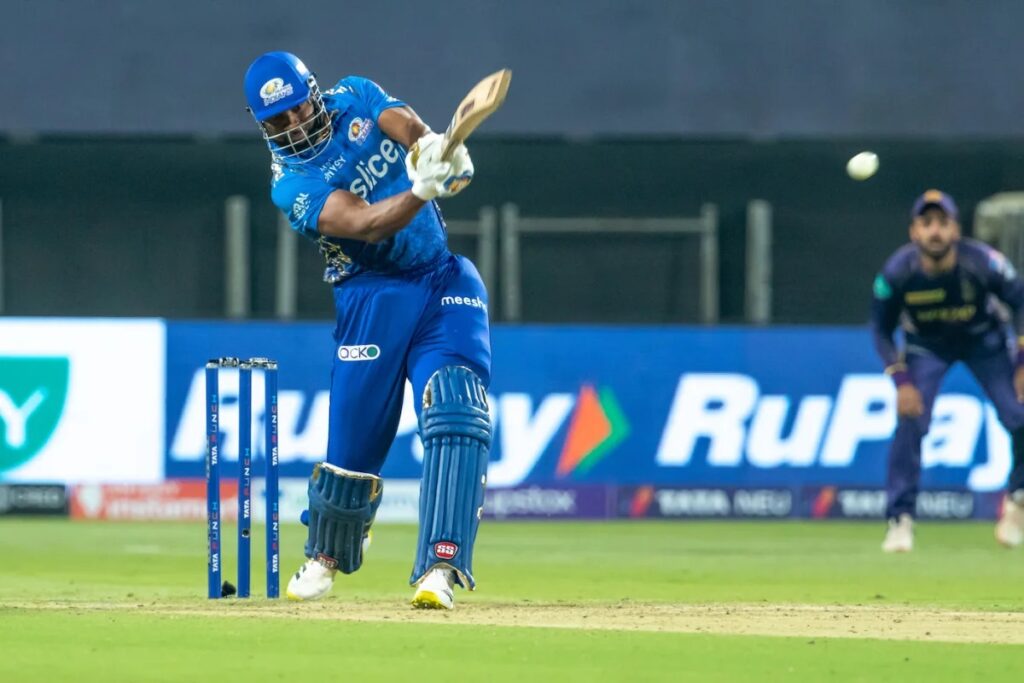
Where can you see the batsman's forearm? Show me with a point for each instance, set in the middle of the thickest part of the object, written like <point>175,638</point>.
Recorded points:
<point>377,222</point>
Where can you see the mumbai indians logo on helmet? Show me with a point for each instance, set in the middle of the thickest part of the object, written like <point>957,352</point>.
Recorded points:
<point>359,129</point>
<point>275,89</point>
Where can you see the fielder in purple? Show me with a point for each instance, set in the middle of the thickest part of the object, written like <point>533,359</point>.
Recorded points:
<point>357,172</point>
<point>948,295</point>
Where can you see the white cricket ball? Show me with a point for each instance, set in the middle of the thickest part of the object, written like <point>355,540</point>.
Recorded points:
<point>862,166</point>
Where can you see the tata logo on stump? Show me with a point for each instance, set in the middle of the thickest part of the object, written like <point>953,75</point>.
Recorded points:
<point>360,352</point>
<point>32,396</point>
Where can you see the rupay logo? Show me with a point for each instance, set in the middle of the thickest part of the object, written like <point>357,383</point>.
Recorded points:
<point>33,392</point>
<point>742,425</point>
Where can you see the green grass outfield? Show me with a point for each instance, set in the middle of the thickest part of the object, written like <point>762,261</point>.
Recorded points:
<point>629,601</point>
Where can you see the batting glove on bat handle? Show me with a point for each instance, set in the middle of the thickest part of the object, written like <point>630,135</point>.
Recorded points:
<point>461,173</point>
<point>425,168</point>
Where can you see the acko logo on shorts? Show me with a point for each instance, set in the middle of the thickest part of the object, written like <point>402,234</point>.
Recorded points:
<point>32,396</point>
<point>360,352</point>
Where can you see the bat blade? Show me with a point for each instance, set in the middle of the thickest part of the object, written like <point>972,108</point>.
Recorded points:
<point>482,101</point>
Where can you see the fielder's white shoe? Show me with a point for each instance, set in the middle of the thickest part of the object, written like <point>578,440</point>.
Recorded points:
<point>900,536</point>
<point>312,582</point>
<point>435,591</point>
<point>1010,527</point>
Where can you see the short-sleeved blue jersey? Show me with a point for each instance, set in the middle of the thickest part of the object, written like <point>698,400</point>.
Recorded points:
<point>362,160</point>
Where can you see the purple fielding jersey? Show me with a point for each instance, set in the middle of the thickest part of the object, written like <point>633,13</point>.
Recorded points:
<point>946,312</point>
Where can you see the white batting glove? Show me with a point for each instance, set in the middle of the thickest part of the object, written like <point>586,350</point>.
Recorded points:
<point>461,173</point>
<point>424,167</point>
<point>431,177</point>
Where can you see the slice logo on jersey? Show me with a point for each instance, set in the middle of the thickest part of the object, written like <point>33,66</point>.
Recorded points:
<point>275,89</point>
<point>375,167</point>
<point>359,353</point>
<point>33,392</point>
<point>597,426</point>
<point>359,129</point>
<point>445,550</point>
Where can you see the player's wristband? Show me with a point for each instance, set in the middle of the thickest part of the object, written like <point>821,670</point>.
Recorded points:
<point>1020,356</point>
<point>901,377</point>
<point>899,374</point>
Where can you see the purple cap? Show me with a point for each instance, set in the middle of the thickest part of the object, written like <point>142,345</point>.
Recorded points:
<point>934,198</point>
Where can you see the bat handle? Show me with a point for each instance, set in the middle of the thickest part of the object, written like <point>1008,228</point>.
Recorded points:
<point>448,147</point>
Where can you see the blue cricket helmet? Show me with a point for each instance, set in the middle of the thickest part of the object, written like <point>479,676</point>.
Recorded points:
<point>276,82</point>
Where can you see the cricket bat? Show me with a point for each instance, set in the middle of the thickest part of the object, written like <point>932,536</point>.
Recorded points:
<point>482,101</point>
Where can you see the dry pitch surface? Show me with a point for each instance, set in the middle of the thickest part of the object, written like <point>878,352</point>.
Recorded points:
<point>822,621</point>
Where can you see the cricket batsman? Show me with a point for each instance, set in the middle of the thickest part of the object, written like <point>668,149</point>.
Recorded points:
<point>357,171</point>
<point>948,294</point>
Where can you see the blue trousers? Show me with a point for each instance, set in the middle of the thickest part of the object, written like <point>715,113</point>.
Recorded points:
<point>396,327</point>
<point>991,365</point>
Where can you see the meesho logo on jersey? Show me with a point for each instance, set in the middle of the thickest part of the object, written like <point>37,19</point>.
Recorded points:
<point>33,392</point>
<point>373,168</point>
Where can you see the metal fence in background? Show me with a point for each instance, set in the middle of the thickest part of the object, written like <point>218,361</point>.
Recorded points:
<point>687,282</point>
<point>999,220</point>
<point>515,226</point>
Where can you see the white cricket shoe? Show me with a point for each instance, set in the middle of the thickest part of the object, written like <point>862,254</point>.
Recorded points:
<point>900,536</point>
<point>435,591</point>
<point>1010,527</point>
<point>312,582</point>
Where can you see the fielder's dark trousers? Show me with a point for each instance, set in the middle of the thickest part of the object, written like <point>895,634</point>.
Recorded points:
<point>993,369</point>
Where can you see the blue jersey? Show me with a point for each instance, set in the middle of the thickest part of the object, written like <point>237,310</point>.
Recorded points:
<point>362,160</point>
<point>948,312</point>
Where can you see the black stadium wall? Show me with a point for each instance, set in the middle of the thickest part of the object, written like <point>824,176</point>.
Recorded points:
<point>121,226</point>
